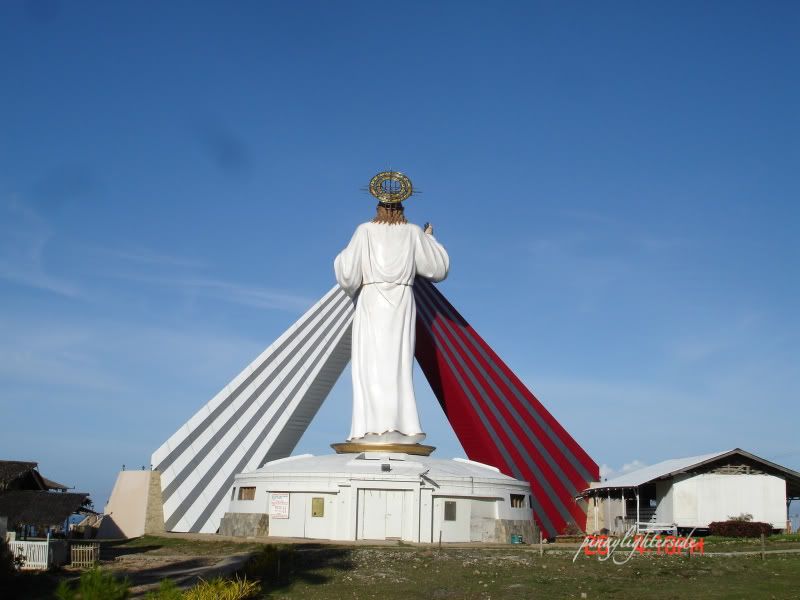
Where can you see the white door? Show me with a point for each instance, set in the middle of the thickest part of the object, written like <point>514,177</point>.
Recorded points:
<point>383,513</point>
<point>394,514</point>
<point>371,514</point>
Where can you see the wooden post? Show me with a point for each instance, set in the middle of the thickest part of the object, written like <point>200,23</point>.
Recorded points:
<point>440,540</point>
<point>637,510</point>
<point>541,544</point>
<point>763,546</point>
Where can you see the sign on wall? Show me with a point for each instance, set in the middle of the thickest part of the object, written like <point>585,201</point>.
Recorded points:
<point>279,505</point>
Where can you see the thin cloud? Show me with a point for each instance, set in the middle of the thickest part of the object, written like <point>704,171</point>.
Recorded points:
<point>228,291</point>
<point>24,238</point>
<point>247,295</point>
<point>104,356</point>
<point>52,354</point>
<point>148,257</point>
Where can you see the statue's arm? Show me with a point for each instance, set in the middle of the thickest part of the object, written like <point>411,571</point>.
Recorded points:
<point>431,259</point>
<point>347,265</point>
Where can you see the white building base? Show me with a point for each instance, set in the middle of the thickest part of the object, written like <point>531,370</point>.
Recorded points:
<point>379,496</point>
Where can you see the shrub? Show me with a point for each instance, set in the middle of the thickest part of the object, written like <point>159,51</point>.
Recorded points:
<point>167,590</point>
<point>746,517</point>
<point>223,589</point>
<point>739,528</point>
<point>94,584</point>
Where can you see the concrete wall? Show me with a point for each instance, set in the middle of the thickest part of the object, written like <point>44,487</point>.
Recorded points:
<point>701,499</point>
<point>244,525</point>
<point>134,507</point>
<point>452,531</point>
<point>154,515</point>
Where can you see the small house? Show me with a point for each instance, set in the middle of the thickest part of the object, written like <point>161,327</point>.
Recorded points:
<point>32,504</point>
<point>690,493</point>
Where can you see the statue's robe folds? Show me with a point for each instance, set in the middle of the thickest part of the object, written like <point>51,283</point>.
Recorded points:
<point>377,270</point>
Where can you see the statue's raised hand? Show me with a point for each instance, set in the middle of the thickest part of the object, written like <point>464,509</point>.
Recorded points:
<point>428,229</point>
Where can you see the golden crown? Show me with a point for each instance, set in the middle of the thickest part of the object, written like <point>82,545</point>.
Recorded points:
<point>391,187</point>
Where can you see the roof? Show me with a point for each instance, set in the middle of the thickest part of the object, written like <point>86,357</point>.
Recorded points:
<point>32,507</point>
<point>54,485</point>
<point>13,469</point>
<point>402,465</point>
<point>675,466</point>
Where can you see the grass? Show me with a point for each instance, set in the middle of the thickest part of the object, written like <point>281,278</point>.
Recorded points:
<point>388,573</point>
<point>161,546</point>
<point>315,571</point>
<point>715,543</point>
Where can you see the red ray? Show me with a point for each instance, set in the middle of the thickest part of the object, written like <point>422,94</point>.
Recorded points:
<point>496,418</point>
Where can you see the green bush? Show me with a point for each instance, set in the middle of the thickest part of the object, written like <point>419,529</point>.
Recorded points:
<point>223,589</point>
<point>739,528</point>
<point>167,590</point>
<point>95,584</point>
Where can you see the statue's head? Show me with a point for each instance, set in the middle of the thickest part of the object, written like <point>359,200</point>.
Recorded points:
<point>391,214</point>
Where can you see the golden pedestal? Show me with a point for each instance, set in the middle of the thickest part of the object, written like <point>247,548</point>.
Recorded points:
<point>356,447</point>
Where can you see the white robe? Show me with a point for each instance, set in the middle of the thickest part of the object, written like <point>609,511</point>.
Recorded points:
<point>377,269</point>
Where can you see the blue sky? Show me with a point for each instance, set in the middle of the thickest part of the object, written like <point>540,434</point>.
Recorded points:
<point>616,184</point>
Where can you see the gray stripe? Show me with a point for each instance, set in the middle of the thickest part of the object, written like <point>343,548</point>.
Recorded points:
<point>203,425</point>
<point>197,456</point>
<point>223,489</point>
<point>327,377</point>
<point>214,469</point>
<point>427,319</point>
<point>577,465</point>
<point>568,485</point>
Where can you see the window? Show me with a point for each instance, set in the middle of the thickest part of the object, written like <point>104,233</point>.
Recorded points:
<point>233,492</point>
<point>517,500</point>
<point>318,507</point>
<point>247,493</point>
<point>530,501</point>
<point>450,510</point>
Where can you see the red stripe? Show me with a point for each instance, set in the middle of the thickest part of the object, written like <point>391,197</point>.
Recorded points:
<point>555,426</point>
<point>471,431</point>
<point>547,500</point>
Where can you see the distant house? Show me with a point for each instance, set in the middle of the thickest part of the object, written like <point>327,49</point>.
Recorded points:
<point>32,504</point>
<point>690,493</point>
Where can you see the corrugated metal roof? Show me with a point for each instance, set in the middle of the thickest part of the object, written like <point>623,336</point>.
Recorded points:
<point>656,471</point>
<point>680,465</point>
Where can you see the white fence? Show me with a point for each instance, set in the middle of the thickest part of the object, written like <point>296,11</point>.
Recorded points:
<point>84,555</point>
<point>648,527</point>
<point>33,555</point>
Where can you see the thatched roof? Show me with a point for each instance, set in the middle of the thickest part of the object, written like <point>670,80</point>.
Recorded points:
<point>24,475</point>
<point>10,470</point>
<point>54,485</point>
<point>32,507</point>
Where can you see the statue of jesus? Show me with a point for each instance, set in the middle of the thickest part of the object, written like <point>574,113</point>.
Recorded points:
<point>377,270</point>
